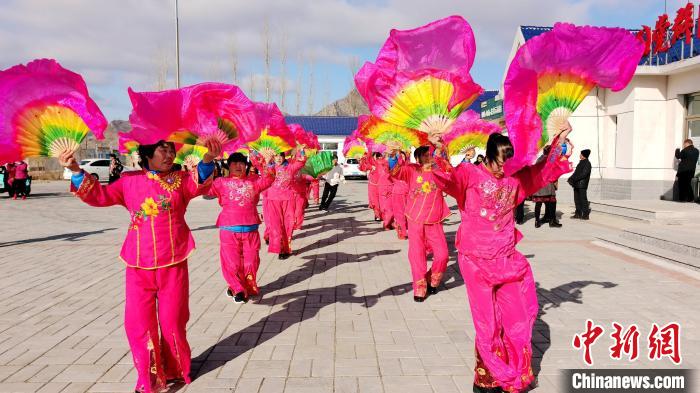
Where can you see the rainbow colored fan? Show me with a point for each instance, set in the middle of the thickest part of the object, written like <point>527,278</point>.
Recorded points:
<point>551,75</point>
<point>469,131</point>
<point>190,155</point>
<point>392,136</point>
<point>353,146</point>
<point>420,79</point>
<point>46,110</point>
<point>275,136</point>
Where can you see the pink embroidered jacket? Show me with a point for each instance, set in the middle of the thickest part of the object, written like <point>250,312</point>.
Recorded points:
<point>239,197</point>
<point>366,165</point>
<point>284,186</point>
<point>486,203</point>
<point>425,203</point>
<point>158,235</point>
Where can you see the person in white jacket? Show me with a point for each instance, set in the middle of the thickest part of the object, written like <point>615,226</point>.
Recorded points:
<point>332,178</point>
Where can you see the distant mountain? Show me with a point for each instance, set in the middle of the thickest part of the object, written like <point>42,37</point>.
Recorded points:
<point>350,105</point>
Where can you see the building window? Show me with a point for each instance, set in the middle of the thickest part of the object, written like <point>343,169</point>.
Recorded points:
<point>329,146</point>
<point>693,117</point>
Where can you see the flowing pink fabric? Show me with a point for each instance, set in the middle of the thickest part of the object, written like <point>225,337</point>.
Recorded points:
<point>197,109</point>
<point>214,101</point>
<point>606,56</point>
<point>443,49</point>
<point>304,137</point>
<point>42,83</point>
<point>270,118</point>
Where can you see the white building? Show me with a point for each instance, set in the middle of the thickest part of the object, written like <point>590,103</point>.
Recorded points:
<point>633,133</point>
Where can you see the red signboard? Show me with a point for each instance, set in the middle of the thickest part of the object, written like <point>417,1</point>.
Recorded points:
<point>659,40</point>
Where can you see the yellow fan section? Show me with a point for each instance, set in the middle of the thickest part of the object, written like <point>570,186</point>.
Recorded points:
<point>49,131</point>
<point>424,105</point>
<point>558,96</point>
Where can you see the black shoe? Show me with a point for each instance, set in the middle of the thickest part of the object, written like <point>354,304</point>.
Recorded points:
<point>576,216</point>
<point>538,223</point>
<point>267,241</point>
<point>432,290</point>
<point>520,222</point>
<point>229,292</point>
<point>419,299</point>
<point>480,389</point>
<point>240,298</point>
<point>585,217</point>
<point>555,224</point>
<point>320,207</point>
<point>283,256</point>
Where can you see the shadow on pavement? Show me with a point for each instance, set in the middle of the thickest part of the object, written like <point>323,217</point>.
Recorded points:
<point>302,305</point>
<point>553,298</point>
<point>71,237</point>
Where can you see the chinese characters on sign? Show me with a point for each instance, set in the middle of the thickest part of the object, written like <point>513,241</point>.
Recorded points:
<point>662,342</point>
<point>659,40</point>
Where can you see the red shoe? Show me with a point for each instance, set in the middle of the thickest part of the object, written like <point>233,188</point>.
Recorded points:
<point>14,198</point>
<point>24,197</point>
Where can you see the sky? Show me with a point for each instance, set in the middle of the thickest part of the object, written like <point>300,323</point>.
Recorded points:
<point>117,44</point>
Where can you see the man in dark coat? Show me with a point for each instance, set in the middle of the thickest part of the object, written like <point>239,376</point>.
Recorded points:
<point>686,170</point>
<point>579,181</point>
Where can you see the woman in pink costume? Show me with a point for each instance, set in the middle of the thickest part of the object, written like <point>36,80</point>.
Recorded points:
<point>155,251</point>
<point>399,195</point>
<point>238,222</point>
<point>366,165</point>
<point>499,280</point>
<point>301,200</point>
<point>382,191</point>
<point>281,204</point>
<point>313,188</point>
<point>426,209</point>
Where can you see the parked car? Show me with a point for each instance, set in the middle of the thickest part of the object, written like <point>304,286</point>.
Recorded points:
<point>97,167</point>
<point>351,169</point>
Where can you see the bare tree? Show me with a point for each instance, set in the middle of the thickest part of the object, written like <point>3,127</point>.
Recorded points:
<point>310,98</point>
<point>300,76</point>
<point>234,60</point>
<point>268,58</point>
<point>354,66</point>
<point>283,71</point>
<point>354,98</point>
<point>251,89</point>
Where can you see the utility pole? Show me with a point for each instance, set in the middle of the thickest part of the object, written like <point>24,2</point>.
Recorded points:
<point>177,46</point>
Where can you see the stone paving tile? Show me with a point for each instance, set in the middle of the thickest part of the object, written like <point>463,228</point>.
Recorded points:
<point>336,317</point>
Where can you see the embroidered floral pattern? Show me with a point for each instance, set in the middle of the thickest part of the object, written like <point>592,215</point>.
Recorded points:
<point>240,191</point>
<point>426,186</point>
<point>497,199</point>
<point>282,178</point>
<point>149,208</point>
<point>169,182</point>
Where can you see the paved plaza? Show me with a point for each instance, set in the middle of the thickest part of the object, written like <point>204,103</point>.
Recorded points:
<point>338,316</point>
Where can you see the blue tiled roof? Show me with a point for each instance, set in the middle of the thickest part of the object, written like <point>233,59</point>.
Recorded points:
<point>325,125</point>
<point>487,95</point>
<point>677,52</point>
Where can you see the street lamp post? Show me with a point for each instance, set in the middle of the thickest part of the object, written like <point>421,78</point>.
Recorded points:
<point>177,46</point>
